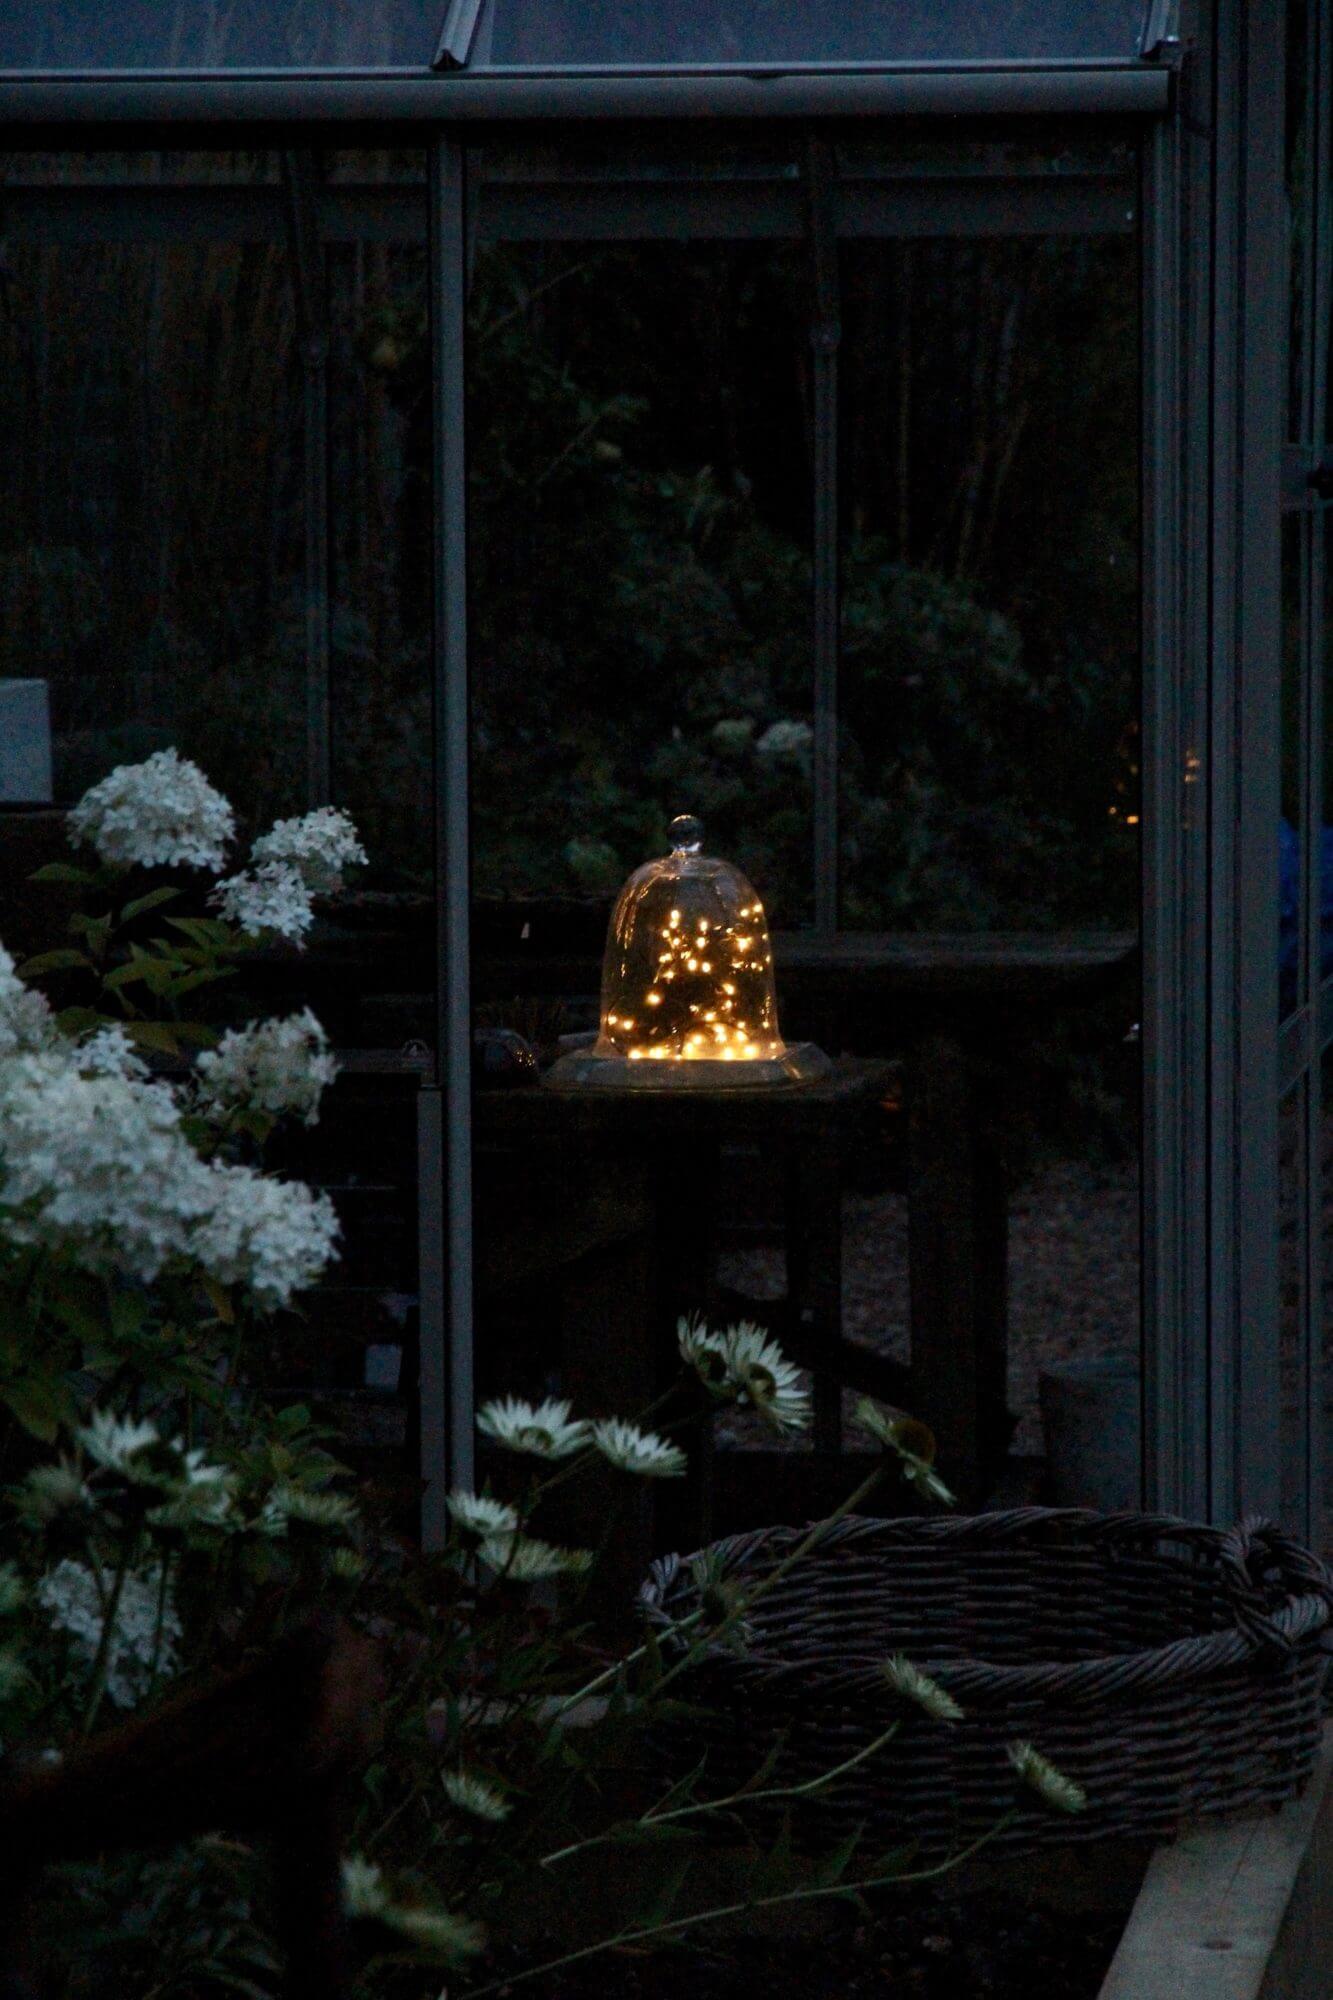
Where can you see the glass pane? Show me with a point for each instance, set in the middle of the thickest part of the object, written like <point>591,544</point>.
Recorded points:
<point>1294,1223</point>
<point>247,34</point>
<point>151,561</point>
<point>553,33</point>
<point>989,699</point>
<point>379,476</point>
<point>1298,212</point>
<point>1291,938</point>
<point>640,626</point>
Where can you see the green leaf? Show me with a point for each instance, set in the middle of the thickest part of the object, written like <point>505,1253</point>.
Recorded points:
<point>76,1021</point>
<point>152,901</point>
<point>53,961</point>
<point>662,1906</point>
<point>196,1034</point>
<point>63,871</point>
<point>96,929</point>
<point>832,1867</point>
<point>153,1035</point>
<point>206,932</point>
<point>40,1406</point>
<point>206,976</point>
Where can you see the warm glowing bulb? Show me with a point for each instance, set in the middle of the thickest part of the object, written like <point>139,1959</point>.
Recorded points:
<point>654,999</point>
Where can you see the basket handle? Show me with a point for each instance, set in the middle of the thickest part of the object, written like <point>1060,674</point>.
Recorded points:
<point>1248,1550</point>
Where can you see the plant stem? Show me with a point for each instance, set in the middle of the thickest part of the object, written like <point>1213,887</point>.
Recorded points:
<point>102,1661</point>
<point>674,1925</point>
<point>808,1787</point>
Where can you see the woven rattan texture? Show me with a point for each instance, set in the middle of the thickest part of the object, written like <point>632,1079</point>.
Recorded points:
<point>1171,1669</point>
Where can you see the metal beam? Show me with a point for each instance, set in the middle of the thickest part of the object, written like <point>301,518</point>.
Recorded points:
<point>457,35</point>
<point>825,337</point>
<point>409,96</point>
<point>558,210</point>
<point>300,171</point>
<point>453,1031</point>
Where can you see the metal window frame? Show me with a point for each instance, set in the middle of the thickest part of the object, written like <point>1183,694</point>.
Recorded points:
<point>153,99</point>
<point>1210,900</point>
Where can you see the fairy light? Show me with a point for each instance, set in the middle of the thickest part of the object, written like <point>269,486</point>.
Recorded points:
<point>689,968</point>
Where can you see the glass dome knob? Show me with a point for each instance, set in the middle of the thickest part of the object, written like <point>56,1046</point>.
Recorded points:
<point>686,834</point>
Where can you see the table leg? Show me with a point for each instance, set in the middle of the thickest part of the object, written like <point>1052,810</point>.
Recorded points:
<point>956,1253</point>
<point>814,1276</point>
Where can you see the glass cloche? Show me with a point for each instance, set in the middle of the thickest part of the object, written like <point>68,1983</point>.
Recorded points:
<point>688,996</point>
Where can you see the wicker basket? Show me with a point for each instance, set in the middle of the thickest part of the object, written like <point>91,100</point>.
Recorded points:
<point>1171,1669</point>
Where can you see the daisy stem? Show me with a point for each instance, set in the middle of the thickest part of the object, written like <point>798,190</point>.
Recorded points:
<point>747,1600</point>
<point>808,1788</point>
<point>672,1926</point>
<point>102,1660</point>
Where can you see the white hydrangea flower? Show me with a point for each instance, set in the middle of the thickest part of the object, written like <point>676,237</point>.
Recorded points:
<point>630,1449</point>
<point>161,813</point>
<point>274,1237</point>
<point>473,1795</point>
<point>110,1052</point>
<point>269,899</point>
<point>318,846</point>
<point>545,1430</point>
<point>914,1685</point>
<point>479,1514</point>
<point>525,1559</point>
<point>97,1167</point>
<point>26,1024</point>
<point>1049,1784</point>
<point>762,1376</point>
<point>69,1595</point>
<point>786,739</point>
<point>275,1066</point>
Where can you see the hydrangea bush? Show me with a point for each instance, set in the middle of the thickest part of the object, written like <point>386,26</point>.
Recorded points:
<point>162,1502</point>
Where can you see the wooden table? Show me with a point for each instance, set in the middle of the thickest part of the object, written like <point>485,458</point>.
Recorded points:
<point>955,1007</point>
<point>619,1299</point>
<point>959,1007</point>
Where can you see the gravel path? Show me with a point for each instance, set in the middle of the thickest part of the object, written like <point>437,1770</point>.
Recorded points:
<point>1073,1275</point>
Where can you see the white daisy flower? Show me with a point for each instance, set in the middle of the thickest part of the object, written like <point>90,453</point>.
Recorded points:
<point>473,1795</point>
<point>161,813</point>
<point>911,1443</point>
<point>1049,1784</point>
<point>909,1681</point>
<point>122,1445</point>
<point>702,1351</point>
<point>364,1893</point>
<point>524,1559</point>
<point>630,1449</point>
<point>478,1514</point>
<point>297,1505</point>
<point>545,1430</point>
<point>763,1377</point>
<point>318,846</point>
